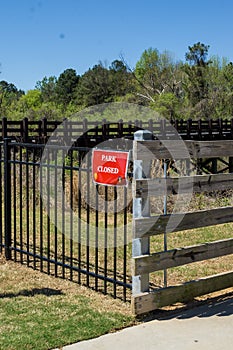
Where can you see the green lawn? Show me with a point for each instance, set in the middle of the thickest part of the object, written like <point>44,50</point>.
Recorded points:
<point>42,312</point>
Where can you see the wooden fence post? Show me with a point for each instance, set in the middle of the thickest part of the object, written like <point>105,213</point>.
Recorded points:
<point>141,208</point>
<point>24,130</point>
<point>4,128</point>
<point>44,129</point>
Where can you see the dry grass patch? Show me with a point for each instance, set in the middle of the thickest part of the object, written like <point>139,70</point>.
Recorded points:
<point>18,279</point>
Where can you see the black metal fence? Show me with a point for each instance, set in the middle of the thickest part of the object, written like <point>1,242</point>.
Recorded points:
<point>55,219</point>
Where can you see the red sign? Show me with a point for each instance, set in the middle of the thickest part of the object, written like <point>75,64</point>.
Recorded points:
<point>110,167</point>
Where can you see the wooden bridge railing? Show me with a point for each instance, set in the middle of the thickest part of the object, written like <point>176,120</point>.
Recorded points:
<point>40,130</point>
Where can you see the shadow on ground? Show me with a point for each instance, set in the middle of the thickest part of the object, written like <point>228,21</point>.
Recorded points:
<point>31,292</point>
<point>218,306</point>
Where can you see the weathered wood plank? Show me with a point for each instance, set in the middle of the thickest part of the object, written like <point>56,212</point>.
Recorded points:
<point>155,225</point>
<point>182,185</point>
<point>179,149</point>
<point>146,302</point>
<point>181,256</point>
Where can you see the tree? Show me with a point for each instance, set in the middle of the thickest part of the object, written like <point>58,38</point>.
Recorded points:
<point>120,79</point>
<point>66,86</point>
<point>196,82</point>
<point>197,55</point>
<point>156,74</point>
<point>9,94</point>
<point>220,81</point>
<point>94,86</point>
<point>227,72</point>
<point>47,87</point>
<point>31,100</point>
<point>146,72</point>
<point>166,105</point>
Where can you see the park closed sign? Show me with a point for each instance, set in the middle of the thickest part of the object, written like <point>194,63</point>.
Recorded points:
<point>110,167</point>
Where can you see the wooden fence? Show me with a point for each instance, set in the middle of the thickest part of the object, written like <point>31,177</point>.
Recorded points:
<point>146,226</point>
<point>92,132</point>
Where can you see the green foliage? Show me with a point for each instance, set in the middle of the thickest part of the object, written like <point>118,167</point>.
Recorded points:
<point>197,88</point>
<point>197,55</point>
<point>66,86</point>
<point>31,100</point>
<point>47,87</point>
<point>9,95</point>
<point>166,105</point>
<point>157,75</point>
<point>94,86</point>
<point>148,65</point>
<point>121,80</point>
<point>196,82</point>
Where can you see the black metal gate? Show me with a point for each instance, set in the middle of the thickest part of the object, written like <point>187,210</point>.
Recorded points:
<point>77,233</point>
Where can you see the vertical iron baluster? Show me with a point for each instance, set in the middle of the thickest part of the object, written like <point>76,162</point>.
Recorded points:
<point>79,215</point>
<point>55,211</point>
<point>1,202</point>
<point>48,185</point>
<point>63,215</point>
<point>96,237</point>
<point>34,207</point>
<point>125,243</point>
<point>105,238</point>
<point>165,213</point>
<point>21,203</point>
<point>88,221</point>
<point>41,217</point>
<point>27,206</point>
<point>71,213</point>
<point>115,243</point>
<point>7,198</point>
<point>14,203</point>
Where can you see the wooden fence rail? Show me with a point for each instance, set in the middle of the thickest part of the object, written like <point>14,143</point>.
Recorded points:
<point>40,130</point>
<point>183,184</point>
<point>179,149</point>
<point>146,302</point>
<point>181,256</point>
<point>145,226</point>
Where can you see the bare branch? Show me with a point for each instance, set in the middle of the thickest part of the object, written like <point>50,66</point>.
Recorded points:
<point>147,97</point>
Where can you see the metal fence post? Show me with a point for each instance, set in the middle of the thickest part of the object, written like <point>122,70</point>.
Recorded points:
<point>141,207</point>
<point>7,198</point>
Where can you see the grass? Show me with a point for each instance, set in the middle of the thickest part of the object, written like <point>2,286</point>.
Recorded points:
<point>194,270</point>
<point>43,312</point>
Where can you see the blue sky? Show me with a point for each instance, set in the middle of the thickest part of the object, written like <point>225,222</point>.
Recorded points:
<point>41,38</point>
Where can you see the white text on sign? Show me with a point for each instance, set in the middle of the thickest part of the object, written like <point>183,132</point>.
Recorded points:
<point>108,170</point>
<point>108,158</point>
